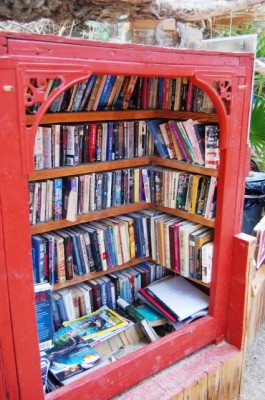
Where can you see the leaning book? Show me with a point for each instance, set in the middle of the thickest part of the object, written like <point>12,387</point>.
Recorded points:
<point>71,357</point>
<point>97,324</point>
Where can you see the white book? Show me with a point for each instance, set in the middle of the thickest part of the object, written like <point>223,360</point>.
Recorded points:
<point>92,193</point>
<point>38,150</point>
<point>146,183</point>
<point>68,303</point>
<point>49,198</point>
<point>43,201</point>
<point>207,261</point>
<point>174,183</point>
<point>47,146</point>
<point>184,232</point>
<point>86,197</point>
<point>37,188</point>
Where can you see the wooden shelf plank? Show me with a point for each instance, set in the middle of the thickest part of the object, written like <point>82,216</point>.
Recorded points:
<point>92,216</point>
<point>119,164</point>
<point>93,275</point>
<point>185,215</point>
<point>182,165</point>
<point>88,168</point>
<point>62,118</point>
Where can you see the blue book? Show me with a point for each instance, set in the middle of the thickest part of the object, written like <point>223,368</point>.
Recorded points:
<point>109,153</point>
<point>154,129</point>
<point>160,93</point>
<point>105,92</point>
<point>87,92</point>
<point>44,315</point>
<point>38,259</point>
<point>57,298</point>
<point>108,283</point>
<point>57,198</point>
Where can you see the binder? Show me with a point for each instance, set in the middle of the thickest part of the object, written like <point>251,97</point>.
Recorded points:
<point>178,296</point>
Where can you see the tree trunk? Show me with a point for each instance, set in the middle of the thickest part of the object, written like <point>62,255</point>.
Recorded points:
<point>108,10</point>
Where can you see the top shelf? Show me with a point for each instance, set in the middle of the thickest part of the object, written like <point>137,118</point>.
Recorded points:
<point>59,118</point>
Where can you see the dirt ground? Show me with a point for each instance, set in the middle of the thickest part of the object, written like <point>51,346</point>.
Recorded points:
<point>254,376</point>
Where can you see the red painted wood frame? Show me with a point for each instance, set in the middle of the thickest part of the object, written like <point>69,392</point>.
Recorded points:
<point>24,57</point>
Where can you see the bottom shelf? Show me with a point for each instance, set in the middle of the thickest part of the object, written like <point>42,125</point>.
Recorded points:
<point>95,340</point>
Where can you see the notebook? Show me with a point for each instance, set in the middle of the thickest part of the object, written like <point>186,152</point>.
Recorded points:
<point>178,296</point>
<point>148,299</point>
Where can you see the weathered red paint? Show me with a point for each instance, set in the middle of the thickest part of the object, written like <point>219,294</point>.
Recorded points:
<point>24,56</point>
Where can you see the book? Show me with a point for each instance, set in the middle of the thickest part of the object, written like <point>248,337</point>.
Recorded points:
<point>155,318</point>
<point>180,297</point>
<point>44,314</point>
<point>207,261</point>
<point>189,128</point>
<point>71,356</point>
<point>153,126</point>
<point>212,151</point>
<point>145,297</point>
<point>184,232</point>
<point>193,250</point>
<point>44,364</point>
<point>97,324</point>
<point>175,131</point>
<point>259,233</point>
<point>148,330</point>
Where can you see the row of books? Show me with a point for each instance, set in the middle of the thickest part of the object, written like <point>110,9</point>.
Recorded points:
<point>86,297</point>
<point>70,145</point>
<point>178,244</point>
<point>187,141</point>
<point>120,92</point>
<point>95,246</point>
<point>64,198</point>
<point>176,189</point>
<point>61,198</point>
<point>99,246</point>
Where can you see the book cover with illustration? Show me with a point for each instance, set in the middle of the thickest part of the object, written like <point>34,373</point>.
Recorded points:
<point>97,324</point>
<point>71,355</point>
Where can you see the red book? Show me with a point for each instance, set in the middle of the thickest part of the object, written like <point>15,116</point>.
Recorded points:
<point>92,142</point>
<point>144,295</point>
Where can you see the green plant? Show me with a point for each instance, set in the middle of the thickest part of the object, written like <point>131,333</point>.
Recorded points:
<point>257,132</point>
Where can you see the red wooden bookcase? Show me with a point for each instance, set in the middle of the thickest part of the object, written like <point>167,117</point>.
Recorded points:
<point>24,57</point>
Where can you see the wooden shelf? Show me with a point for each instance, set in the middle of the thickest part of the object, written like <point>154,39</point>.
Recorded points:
<point>166,162</point>
<point>89,168</point>
<point>62,118</point>
<point>185,215</point>
<point>96,274</point>
<point>119,164</point>
<point>92,216</point>
<point>95,215</point>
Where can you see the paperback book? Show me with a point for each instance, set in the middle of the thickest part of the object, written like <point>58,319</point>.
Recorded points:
<point>97,324</point>
<point>71,356</point>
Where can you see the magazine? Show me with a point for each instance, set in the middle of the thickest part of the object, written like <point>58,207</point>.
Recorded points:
<point>97,324</point>
<point>71,356</point>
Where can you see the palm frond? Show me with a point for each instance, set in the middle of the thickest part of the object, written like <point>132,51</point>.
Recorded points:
<point>257,125</point>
